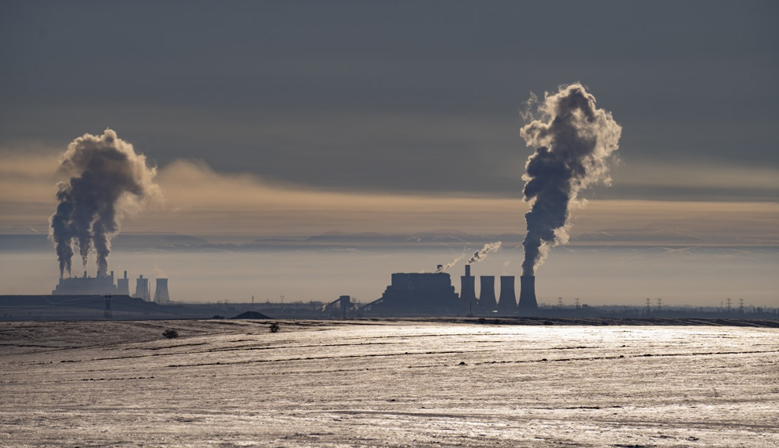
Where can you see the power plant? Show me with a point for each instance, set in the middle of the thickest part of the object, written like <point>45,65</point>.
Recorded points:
<point>104,285</point>
<point>433,294</point>
<point>100,285</point>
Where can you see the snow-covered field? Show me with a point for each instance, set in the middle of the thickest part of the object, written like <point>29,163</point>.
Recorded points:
<point>331,384</point>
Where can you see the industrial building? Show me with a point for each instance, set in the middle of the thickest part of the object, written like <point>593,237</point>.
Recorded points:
<point>73,286</point>
<point>85,286</point>
<point>418,294</point>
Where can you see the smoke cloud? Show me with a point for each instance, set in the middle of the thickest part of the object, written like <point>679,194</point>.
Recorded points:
<point>107,180</point>
<point>481,254</point>
<point>449,265</point>
<point>575,142</point>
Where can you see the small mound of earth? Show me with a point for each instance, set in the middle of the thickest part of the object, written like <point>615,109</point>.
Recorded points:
<point>251,315</point>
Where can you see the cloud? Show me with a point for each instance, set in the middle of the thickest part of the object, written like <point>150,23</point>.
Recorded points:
<point>203,202</point>
<point>692,175</point>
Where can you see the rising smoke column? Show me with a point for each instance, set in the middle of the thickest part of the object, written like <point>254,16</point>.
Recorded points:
<point>449,265</point>
<point>107,180</point>
<point>574,141</point>
<point>477,256</point>
<point>481,254</point>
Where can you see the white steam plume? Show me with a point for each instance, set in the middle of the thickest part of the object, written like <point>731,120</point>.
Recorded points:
<point>575,141</point>
<point>449,265</point>
<point>107,179</point>
<point>481,254</point>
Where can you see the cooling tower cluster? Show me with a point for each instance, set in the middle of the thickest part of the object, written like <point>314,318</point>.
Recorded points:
<point>506,303</point>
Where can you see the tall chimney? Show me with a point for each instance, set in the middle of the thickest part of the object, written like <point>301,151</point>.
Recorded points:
<point>508,298</point>
<point>468,287</point>
<point>487,300</point>
<point>527,293</point>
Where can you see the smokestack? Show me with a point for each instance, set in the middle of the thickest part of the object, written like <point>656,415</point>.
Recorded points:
<point>487,300</point>
<point>468,287</point>
<point>527,293</point>
<point>161,291</point>
<point>508,299</point>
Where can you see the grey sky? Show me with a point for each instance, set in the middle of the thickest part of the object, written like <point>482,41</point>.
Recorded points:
<point>401,96</point>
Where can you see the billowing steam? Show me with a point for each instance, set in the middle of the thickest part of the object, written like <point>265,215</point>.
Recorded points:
<point>107,180</point>
<point>477,256</point>
<point>449,265</point>
<point>575,141</point>
<point>481,254</point>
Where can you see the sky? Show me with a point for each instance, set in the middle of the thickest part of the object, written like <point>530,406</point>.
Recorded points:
<point>278,119</point>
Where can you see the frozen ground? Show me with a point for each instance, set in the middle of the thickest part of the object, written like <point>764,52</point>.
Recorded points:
<point>233,383</point>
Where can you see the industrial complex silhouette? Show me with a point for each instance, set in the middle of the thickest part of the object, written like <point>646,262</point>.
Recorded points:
<point>433,294</point>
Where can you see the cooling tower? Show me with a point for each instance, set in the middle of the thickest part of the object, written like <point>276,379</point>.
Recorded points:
<point>161,291</point>
<point>468,287</point>
<point>508,299</point>
<point>142,289</point>
<point>123,285</point>
<point>527,293</point>
<point>487,300</point>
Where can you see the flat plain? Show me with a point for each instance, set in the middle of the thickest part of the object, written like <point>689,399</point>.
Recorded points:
<point>229,383</point>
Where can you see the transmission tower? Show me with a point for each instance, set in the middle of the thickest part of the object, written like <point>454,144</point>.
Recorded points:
<point>741,306</point>
<point>107,311</point>
<point>559,302</point>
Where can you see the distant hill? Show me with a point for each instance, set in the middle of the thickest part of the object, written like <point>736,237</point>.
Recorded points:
<point>251,315</point>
